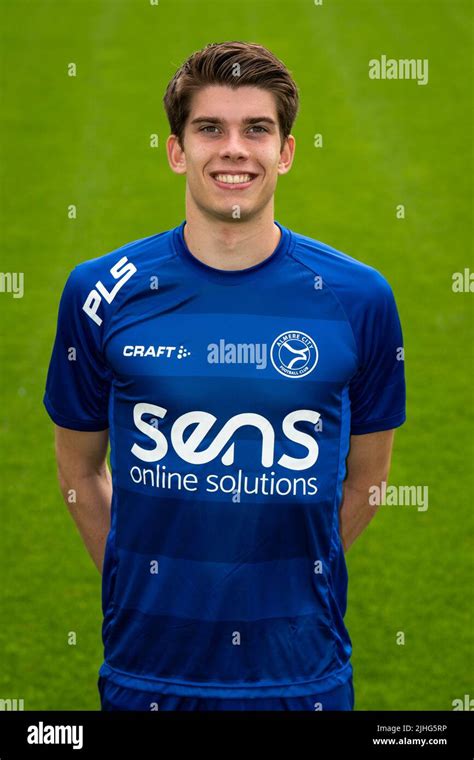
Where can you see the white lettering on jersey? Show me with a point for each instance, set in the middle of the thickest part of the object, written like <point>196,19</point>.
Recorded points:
<point>123,269</point>
<point>186,448</point>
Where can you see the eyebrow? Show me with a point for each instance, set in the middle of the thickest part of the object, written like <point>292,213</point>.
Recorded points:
<point>216,120</point>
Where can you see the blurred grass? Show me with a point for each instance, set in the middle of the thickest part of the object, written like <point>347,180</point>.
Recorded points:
<point>84,141</point>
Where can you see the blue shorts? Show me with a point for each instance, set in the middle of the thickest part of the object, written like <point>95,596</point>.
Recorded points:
<point>113,697</point>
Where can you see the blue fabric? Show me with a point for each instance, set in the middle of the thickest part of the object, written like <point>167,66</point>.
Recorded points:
<point>114,698</point>
<point>230,398</point>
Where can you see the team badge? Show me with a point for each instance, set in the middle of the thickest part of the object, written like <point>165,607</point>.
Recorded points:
<point>294,354</point>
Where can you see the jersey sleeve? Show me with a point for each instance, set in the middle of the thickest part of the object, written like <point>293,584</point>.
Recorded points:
<point>377,391</point>
<point>78,380</point>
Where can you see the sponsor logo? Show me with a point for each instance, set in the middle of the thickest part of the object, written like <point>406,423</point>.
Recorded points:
<point>165,352</point>
<point>293,353</point>
<point>121,271</point>
<point>186,443</point>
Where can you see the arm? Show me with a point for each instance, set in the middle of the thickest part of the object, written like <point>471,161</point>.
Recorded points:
<point>86,485</point>
<point>368,464</point>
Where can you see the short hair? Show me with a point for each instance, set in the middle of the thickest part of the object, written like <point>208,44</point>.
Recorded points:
<point>232,64</point>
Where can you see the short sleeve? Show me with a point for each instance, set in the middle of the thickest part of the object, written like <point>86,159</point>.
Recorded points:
<point>377,391</point>
<point>78,380</point>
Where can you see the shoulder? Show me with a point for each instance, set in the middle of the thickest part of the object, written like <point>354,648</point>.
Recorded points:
<point>97,286</point>
<point>357,285</point>
<point>339,269</point>
<point>135,256</point>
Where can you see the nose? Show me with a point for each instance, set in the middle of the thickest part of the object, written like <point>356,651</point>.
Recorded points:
<point>233,147</point>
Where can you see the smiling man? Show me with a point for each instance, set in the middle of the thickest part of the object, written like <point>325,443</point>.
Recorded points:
<point>249,380</point>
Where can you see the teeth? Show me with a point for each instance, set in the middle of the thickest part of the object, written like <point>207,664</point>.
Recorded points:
<point>233,179</point>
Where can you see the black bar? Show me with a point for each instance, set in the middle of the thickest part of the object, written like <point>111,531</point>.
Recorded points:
<point>445,733</point>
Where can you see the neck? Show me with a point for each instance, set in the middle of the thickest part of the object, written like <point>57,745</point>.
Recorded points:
<point>232,244</point>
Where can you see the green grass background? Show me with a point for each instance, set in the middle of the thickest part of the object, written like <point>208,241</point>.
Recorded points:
<point>85,141</point>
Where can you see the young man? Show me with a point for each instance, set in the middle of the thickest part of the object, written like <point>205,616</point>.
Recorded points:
<point>250,381</point>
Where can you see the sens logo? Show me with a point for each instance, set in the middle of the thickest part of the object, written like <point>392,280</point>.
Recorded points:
<point>186,446</point>
<point>123,269</point>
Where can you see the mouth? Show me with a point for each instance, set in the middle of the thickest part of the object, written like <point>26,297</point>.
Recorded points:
<point>233,181</point>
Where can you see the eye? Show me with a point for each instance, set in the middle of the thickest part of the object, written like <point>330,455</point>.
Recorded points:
<point>213,126</point>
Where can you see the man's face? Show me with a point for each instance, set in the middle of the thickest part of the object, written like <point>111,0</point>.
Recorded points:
<point>232,155</point>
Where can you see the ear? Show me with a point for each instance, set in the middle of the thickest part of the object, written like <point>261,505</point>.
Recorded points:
<point>176,155</point>
<point>287,155</point>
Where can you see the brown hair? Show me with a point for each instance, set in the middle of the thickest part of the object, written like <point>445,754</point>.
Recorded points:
<point>217,63</point>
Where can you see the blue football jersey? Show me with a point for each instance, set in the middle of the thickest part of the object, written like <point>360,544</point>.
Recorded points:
<point>230,398</point>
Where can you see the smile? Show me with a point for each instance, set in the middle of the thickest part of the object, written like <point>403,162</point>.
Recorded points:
<point>233,181</point>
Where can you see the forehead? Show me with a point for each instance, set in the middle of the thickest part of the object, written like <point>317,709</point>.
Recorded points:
<point>233,104</point>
